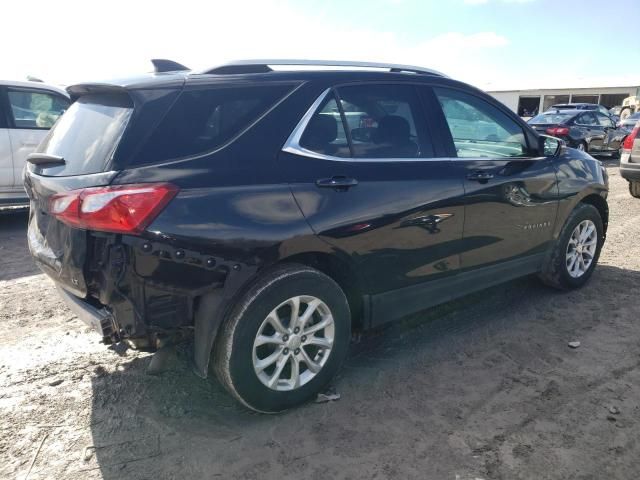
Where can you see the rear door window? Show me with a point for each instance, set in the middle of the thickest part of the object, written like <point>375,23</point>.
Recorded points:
<point>88,133</point>
<point>479,129</point>
<point>380,120</point>
<point>35,109</point>
<point>384,121</point>
<point>204,119</point>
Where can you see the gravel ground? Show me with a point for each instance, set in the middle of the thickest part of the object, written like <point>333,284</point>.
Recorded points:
<point>482,388</point>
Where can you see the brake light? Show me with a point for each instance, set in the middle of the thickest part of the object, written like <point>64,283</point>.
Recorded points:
<point>119,209</point>
<point>628,141</point>
<point>556,131</point>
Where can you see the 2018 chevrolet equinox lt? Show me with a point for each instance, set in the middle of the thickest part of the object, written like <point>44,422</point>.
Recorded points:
<point>265,210</point>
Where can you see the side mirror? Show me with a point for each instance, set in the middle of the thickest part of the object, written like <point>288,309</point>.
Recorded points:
<point>549,146</point>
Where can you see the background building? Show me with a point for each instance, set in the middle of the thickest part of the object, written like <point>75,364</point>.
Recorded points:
<point>529,102</point>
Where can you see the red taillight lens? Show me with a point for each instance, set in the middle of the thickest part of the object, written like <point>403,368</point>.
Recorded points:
<point>628,141</point>
<point>119,209</point>
<point>555,131</point>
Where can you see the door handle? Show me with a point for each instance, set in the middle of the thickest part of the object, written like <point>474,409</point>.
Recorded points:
<point>480,176</point>
<point>337,182</point>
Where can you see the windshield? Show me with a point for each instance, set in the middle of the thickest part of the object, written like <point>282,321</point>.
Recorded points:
<point>87,134</point>
<point>548,118</point>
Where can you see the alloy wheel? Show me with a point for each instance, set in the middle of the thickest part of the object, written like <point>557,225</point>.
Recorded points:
<point>581,249</point>
<point>293,343</point>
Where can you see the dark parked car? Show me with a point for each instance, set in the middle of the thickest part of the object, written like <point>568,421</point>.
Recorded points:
<point>242,208</point>
<point>630,160</point>
<point>589,131</point>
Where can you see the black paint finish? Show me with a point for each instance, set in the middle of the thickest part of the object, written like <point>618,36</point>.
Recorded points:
<point>403,233</point>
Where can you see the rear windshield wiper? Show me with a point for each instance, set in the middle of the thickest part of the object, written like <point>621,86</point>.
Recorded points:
<point>45,159</point>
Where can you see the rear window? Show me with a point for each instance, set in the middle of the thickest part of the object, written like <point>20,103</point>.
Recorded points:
<point>88,133</point>
<point>549,118</point>
<point>202,120</point>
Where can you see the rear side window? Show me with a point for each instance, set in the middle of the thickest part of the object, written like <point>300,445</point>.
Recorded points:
<point>202,120</point>
<point>479,129</point>
<point>381,121</point>
<point>88,133</point>
<point>35,109</point>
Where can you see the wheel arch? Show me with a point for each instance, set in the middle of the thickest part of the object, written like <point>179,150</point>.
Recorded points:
<point>344,273</point>
<point>601,205</point>
<point>211,309</point>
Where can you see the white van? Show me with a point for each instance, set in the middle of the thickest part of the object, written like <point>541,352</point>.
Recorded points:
<point>27,112</point>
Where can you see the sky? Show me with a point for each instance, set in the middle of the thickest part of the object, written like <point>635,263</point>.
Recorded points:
<point>493,44</point>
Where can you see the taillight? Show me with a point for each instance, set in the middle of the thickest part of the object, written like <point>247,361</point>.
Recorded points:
<point>119,209</point>
<point>628,141</point>
<point>555,131</point>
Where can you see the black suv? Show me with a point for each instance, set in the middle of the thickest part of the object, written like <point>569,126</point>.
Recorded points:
<point>266,213</point>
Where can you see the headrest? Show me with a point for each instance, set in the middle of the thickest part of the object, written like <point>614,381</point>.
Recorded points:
<point>392,129</point>
<point>321,131</point>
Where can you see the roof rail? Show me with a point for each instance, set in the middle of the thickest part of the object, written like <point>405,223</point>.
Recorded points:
<point>262,66</point>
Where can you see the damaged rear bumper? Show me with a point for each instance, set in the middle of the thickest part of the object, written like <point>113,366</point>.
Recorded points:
<point>99,319</point>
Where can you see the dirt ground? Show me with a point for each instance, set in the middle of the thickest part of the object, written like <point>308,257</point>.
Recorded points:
<point>482,388</point>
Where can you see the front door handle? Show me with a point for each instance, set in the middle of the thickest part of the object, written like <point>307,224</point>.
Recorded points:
<point>480,176</point>
<point>337,182</point>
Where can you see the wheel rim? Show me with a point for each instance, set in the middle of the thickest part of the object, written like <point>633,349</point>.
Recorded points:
<point>293,343</point>
<point>581,249</point>
<point>581,147</point>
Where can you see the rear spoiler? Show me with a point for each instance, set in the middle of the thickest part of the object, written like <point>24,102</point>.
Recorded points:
<point>77,91</point>
<point>149,80</point>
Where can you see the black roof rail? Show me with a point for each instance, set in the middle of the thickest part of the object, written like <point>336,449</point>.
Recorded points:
<point>164,65</point>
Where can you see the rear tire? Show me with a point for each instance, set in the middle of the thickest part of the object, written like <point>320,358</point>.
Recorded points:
<point>634,188</point>
<point>253,336</point>
<point>583,147</point>
<point>559,271</point>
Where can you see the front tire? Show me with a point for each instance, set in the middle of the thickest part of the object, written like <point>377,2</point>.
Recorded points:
<point>576,252</point>
<point>284,340</point>
<point>634,188</point>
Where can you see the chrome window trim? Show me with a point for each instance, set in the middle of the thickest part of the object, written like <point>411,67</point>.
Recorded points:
<point>292,145</point>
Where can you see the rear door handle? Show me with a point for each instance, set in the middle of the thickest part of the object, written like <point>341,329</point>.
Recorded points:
<point>337,182</point>
<point>480,176</point>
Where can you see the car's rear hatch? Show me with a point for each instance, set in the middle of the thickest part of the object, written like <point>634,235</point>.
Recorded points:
<point>76,154</point>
